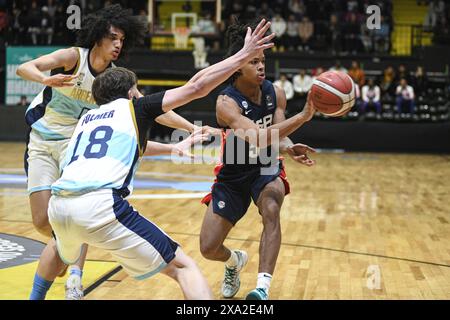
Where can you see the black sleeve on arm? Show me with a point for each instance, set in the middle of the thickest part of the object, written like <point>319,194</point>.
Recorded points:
<point>146,109</point>
<point>149,106</point>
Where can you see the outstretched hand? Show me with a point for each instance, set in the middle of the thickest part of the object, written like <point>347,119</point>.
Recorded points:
<point>59,80</point>
<point>299,152</point>
<point>256,41</point>
<point>183,148</point>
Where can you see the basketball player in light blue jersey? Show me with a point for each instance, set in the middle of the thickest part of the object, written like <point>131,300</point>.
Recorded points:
<point>88,205</point>
<point>53,114</point>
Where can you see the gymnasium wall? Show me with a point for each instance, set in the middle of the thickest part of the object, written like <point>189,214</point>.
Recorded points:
<point>329,134</point>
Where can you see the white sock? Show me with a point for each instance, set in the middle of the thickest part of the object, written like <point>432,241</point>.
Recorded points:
<point>75,270</point>
<point>232,260</point>
<point>264,280</point>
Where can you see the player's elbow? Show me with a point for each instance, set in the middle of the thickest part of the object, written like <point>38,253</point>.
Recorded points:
<point>21,69</point>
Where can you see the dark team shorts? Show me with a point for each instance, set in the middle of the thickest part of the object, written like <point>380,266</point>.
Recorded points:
<point>232,192</point>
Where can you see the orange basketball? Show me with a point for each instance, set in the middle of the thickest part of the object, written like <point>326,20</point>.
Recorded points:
<point>333,93</point>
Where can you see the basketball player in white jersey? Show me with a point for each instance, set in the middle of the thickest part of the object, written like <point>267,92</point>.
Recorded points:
<point>53,114</point>
<point>88,206</point>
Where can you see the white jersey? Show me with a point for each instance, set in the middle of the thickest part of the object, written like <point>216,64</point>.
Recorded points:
<point>54,112</point>
<point>106,147</point>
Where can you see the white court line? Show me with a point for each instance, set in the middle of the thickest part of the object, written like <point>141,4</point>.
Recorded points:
<point>197,195</point>
<point>13,170</point>
<point>169,196</point>
<point>140,173</point>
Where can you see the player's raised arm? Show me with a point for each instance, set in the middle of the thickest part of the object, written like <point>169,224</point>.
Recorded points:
<point>34,70</point>
<point>206,80</point>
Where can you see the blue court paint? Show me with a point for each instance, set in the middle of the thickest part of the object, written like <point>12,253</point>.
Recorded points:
<point>20,181</point>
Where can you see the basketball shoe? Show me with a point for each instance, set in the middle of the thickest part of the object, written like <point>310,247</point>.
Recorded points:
<point>231,282</point>
<point>74,289</point>
<point>257,294</point>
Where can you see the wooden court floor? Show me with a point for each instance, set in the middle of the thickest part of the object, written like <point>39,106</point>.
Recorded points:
<point>351,214</point>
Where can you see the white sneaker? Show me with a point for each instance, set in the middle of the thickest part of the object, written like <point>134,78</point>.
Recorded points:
<point>231,281</point>
<point>74,289</point>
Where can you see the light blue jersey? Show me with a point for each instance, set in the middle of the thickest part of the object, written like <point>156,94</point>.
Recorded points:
<point>103,152</point>
<point>106,147</point>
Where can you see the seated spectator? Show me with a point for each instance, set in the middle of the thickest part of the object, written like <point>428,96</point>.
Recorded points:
<point>352,33</point>
<point>265,11</point>
<point>305,31</point>
<point>382,36</point>
<point>291,40</point>
<point>317,72</point>
<point>46,26</point>
<point>286,85</point>
<point>302,83</point>
<point>34,22</point>
<point>338,67</point>
<point>297,7</point>
<point>405,97</point>
<point>23,101</point>
<point>357,74</point>
<point>371,97</point>
<point>419,81</point>
<point>387,84</point>
<point>278,26</point>
<point>402,73</point>
<point>335,34</point>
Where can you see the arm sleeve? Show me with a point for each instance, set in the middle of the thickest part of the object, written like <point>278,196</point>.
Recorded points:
<point>146,109</point>
<point>150,106</point>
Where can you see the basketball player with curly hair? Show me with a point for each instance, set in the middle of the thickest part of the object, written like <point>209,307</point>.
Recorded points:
<point>104,37</point>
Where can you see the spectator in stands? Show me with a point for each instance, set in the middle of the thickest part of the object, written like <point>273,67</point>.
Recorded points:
<point>317,72</point>
<point>291,40</point>
<point>23,102</point>
<point>265,11</point>
<point>402,73</point>
<point>352,32</point>
<point>338,67</point>
<point>297,7</point>
<point>278,26</point>
<point>286,85</point>
<point>34,22</point>
<point>335,34</point>
<point>46,26</point>
<point>302,84</point>
<point>382,36</point>
<point>305,31</point>
<point>387,84</point>
<point>371,97</point>
<point>436,9</point>
<point>357,74</point>
<point>405,97</point>
<point>18,26</point>
<point>366,38</point>
<point>419,81</point>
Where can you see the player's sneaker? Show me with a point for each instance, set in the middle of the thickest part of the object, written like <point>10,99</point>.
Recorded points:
<point>231,281</point>
<point>74,289</point>
<point>258,294</point>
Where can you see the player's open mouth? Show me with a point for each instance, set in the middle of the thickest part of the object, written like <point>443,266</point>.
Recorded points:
<point>261,76</point>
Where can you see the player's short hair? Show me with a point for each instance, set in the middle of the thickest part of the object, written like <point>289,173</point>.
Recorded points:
<point>113,84</point>
<point>96,26</point>
<point>235,35</point>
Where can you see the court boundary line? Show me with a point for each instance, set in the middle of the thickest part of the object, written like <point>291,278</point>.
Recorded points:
<point>331,249</point>
<point>102,279</point>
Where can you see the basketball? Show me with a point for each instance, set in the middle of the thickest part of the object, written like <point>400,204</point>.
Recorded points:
<point>333,93</point>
